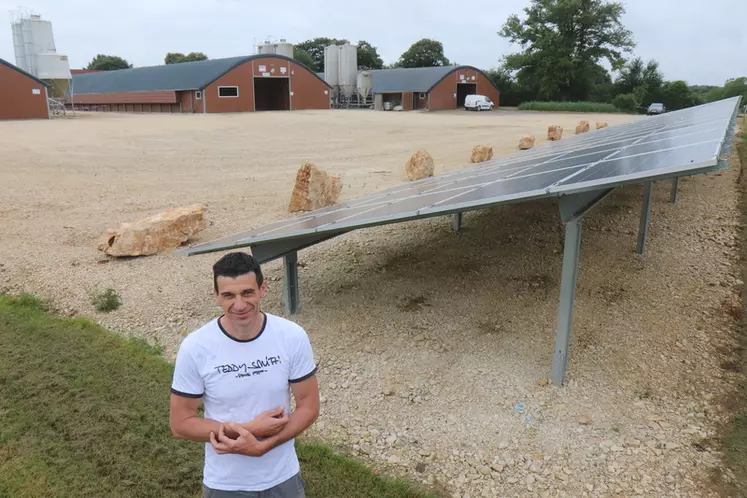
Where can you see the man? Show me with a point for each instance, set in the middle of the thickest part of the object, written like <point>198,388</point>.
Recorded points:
<point>241,366</point>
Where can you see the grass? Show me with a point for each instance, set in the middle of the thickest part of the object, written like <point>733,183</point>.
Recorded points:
<point>84,412</point>
<point>106,301</point>
<point>734,440</point>
<point>568,107</point>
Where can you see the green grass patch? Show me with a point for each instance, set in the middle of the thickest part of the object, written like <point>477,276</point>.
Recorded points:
<point>734,440</point>
<point>568,107</point>
<point>84,412</point>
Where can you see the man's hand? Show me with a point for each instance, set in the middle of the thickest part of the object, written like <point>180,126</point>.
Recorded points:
<point>245,444</point>
<point>268,423</point>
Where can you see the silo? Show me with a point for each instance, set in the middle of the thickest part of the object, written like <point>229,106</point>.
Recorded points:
<point>364,85</point>
<point>19,46</point>
<point>332,65</point>
<point>266,48</point>
<point>348,78</point>
<point>284,48</point>
<point>41,34</point>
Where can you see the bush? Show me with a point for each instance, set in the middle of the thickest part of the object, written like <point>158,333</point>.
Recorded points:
<point>106,301</point>
<point>567,107</point>
<point>626,102</point>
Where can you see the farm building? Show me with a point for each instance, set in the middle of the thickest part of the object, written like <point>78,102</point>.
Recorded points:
<point>22,96</point>
<point>237,84</point>
<point>433,88</point>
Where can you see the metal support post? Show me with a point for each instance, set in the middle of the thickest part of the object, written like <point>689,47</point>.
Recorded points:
<point>675,186</point>
<point>456,221</point>
<point>291,291</point>
<point>645,214</point>
<point>571,252</point>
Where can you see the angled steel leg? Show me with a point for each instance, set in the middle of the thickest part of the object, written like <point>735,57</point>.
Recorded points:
<point>645,214</point>
<point>291,291</point>
<point>567,296</point>
<point>675,186</point>
<point>456,221</point>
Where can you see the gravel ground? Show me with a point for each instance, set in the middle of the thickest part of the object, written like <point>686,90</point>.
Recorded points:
<point>434,346</point>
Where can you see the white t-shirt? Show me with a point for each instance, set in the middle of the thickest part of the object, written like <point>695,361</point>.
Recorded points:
<point>238,380</point>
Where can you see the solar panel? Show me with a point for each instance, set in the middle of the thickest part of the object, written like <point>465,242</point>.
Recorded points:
<point>675,144</point>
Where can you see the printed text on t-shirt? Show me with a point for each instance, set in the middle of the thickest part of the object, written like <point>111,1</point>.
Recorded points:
<point>256,367</point>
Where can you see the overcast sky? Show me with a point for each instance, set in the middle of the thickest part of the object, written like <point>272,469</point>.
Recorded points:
<point>702,42</point>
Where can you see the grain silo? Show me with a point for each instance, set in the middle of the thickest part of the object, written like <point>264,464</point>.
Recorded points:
<point>281,47</point>
<point>36,53</point>
<point>348,78</point>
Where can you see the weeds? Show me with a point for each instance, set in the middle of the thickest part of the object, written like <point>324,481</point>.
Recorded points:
<point>106,301</point>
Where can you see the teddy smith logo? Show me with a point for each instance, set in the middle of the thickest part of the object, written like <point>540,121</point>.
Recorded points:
<point>256,367</point>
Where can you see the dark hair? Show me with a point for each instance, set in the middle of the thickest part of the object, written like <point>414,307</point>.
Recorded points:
<point>234,264</point>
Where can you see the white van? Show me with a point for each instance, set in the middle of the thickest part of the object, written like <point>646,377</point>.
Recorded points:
<point>478,103</point>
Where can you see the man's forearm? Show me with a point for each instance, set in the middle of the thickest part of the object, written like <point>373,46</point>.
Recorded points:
<point>199,429</point>
<point>300,420</point>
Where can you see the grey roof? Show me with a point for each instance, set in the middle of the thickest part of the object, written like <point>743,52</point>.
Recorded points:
<point>18,69</point>
<point>416,79</point>
<point>181,76</point>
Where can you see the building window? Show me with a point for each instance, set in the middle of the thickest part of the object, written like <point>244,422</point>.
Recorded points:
<point>198,95</point>
<point>228,91</point>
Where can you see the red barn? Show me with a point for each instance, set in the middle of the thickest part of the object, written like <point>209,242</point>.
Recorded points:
<point>22,96</point>
<point>433,88</point>
<point>237,84</point>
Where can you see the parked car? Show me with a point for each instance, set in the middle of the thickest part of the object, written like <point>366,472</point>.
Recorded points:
<point>656,109</point>
<point>478,103</point>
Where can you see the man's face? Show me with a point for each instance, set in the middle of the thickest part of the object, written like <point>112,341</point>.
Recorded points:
<point>240,297</point>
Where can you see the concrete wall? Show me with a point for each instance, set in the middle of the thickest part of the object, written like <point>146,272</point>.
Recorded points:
<point>17,98</point>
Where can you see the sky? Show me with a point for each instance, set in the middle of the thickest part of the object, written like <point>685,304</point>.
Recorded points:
<point>701,42</point>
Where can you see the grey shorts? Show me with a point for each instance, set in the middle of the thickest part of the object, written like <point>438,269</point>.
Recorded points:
<point>292,488</point>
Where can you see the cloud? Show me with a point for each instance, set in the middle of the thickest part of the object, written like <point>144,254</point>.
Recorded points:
<point>700,42</point>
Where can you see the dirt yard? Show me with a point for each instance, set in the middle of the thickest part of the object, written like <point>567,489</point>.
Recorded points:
<point>431,343</point>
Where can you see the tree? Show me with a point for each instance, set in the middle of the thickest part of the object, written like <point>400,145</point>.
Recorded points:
<point>626,102</point>
<point>108,63</point>
<point>563,43</point>
<point>644,80</point>
<point>304,58</point>
<point>368,56</point>
<point>509,91</point>
<point>677,95</point>
<point>734,87</point>
<point>177,57</point>
<point>424,53</point>
<point>315,48</point>
<point>635,74</point>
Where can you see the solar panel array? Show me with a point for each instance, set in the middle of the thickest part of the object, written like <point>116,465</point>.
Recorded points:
<point>673,144</point>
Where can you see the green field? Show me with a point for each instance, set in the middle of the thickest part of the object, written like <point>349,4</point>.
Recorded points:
<point>84,412</point>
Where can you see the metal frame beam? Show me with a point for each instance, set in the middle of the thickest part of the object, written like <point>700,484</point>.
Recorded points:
<point>456,221</point>
<point>673,193</point>
<point>291,290</point>
<point>645,215</point>
<point>571,253</point>
<point>575,206</point>
<point>572,210</point>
